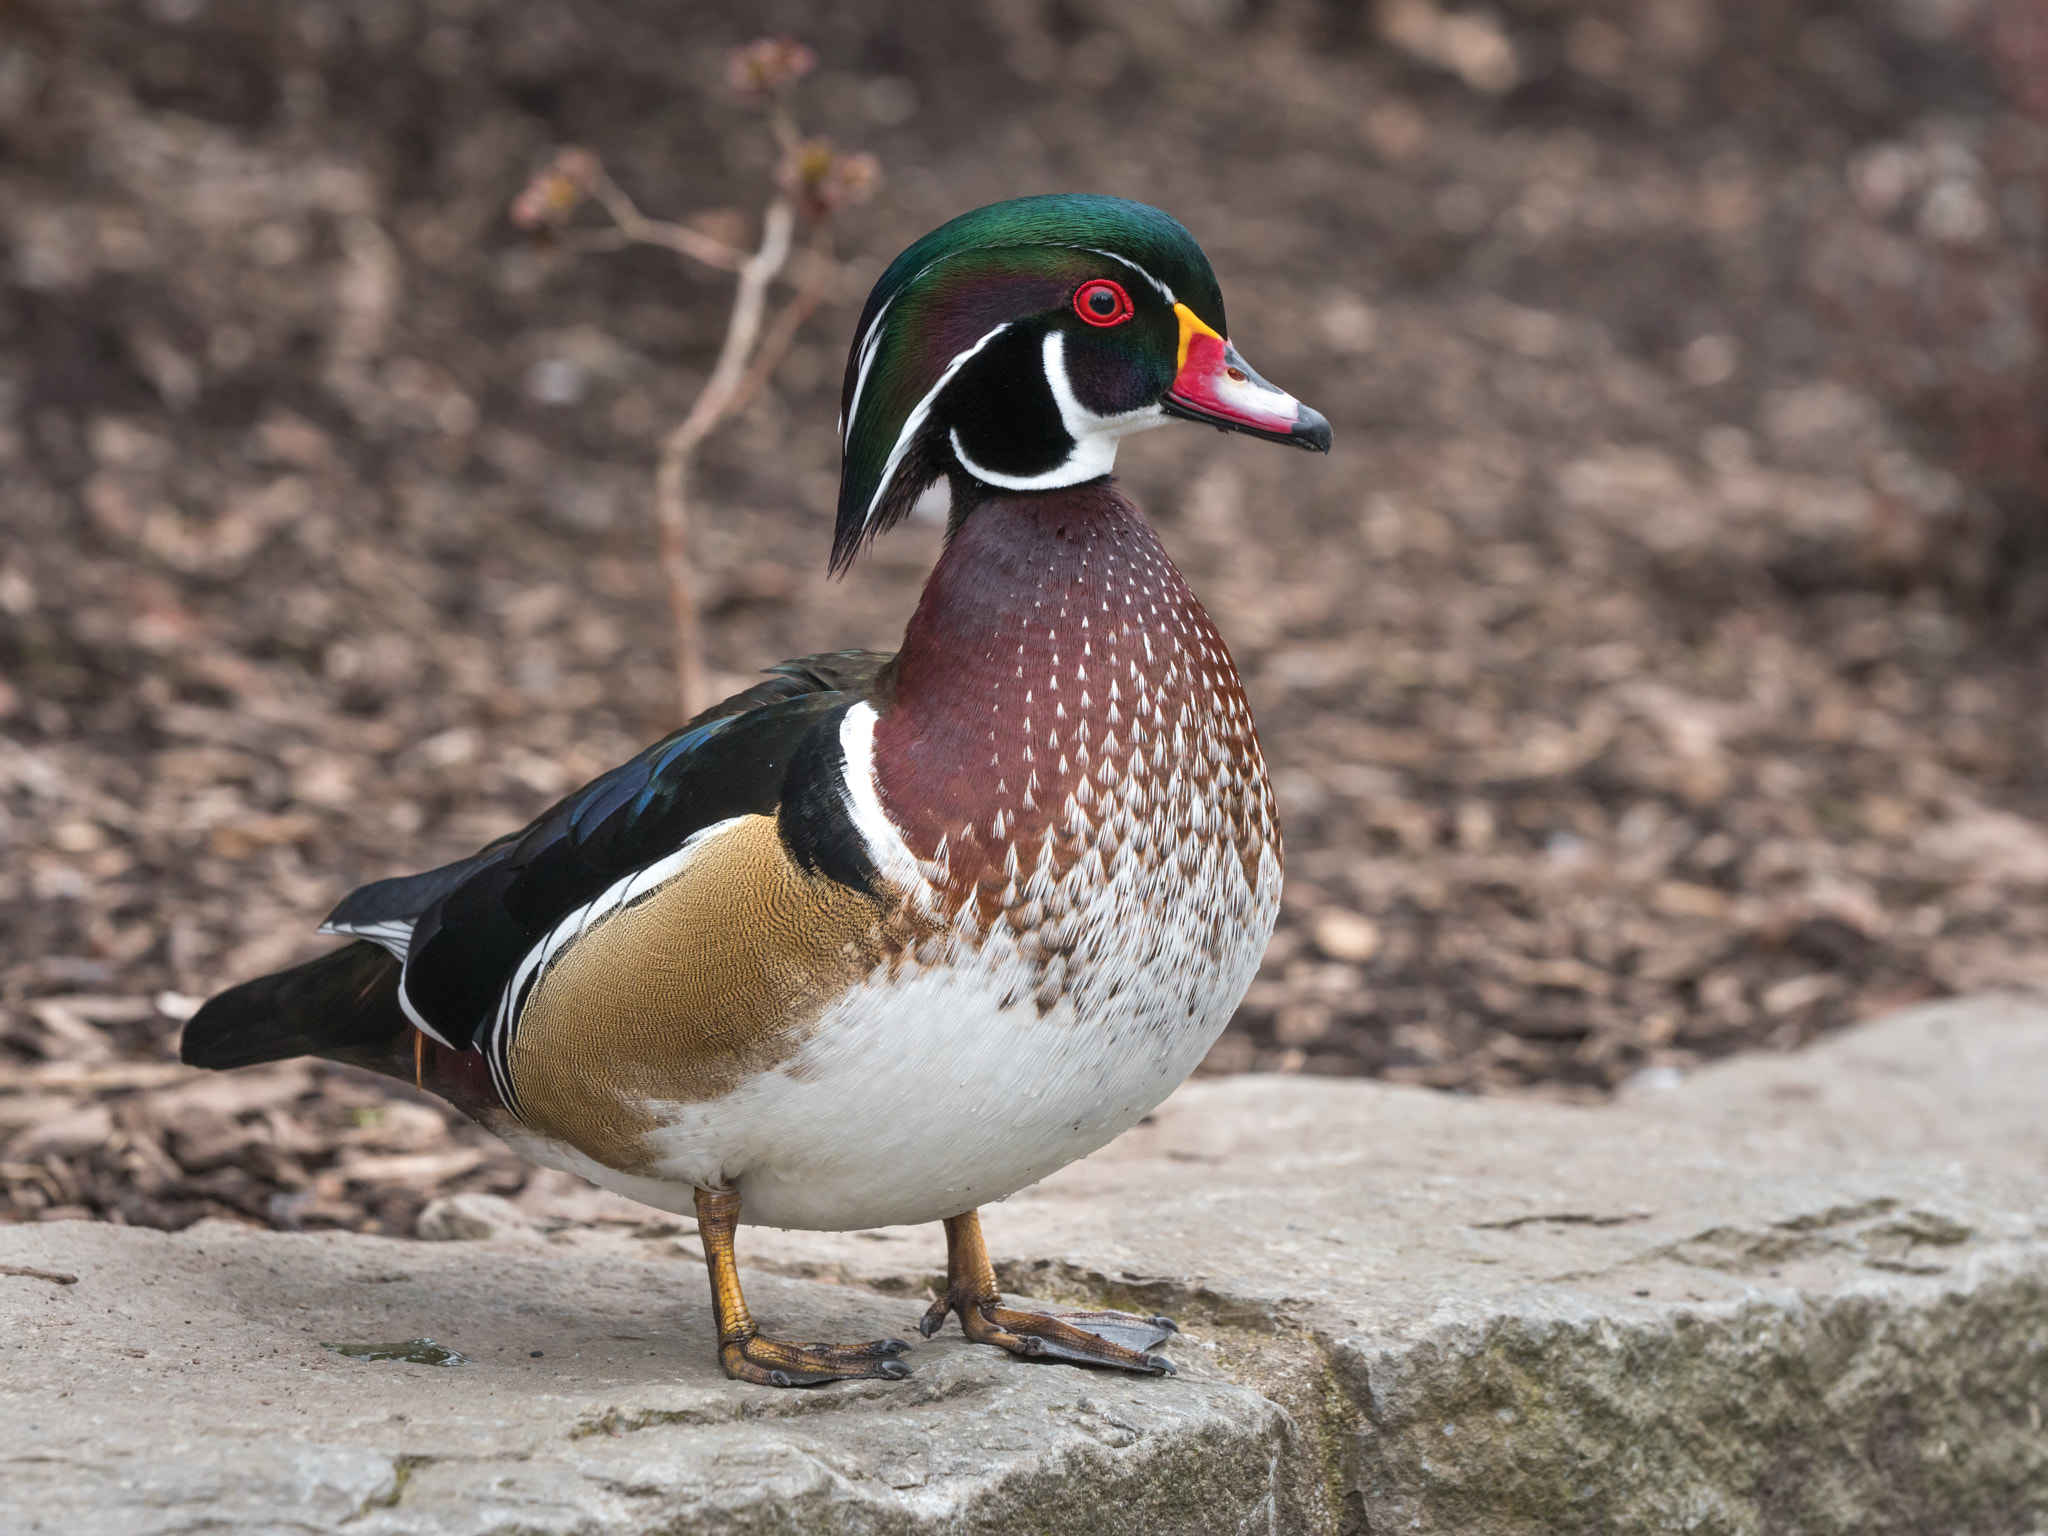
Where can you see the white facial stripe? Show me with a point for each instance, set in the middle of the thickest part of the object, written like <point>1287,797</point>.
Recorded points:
<point>1095,437</point>
<point>869,345</point>
<point>914,423</point>
<point>1164,291</point>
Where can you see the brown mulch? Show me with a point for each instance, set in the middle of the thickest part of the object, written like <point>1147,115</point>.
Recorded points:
<point>1646,677</point>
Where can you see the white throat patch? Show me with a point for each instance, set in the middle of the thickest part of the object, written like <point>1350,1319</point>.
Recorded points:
<point>1095,437</point>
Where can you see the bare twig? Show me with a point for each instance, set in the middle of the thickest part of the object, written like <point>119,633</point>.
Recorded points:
<point>637,228</point>
<point>712,405</point>
<point>815,179</point>
<point>803,303</point>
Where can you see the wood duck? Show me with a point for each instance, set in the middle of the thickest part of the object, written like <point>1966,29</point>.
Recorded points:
<point>885,938</point>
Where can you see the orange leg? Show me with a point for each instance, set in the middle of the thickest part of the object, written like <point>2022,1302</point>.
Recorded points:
<point>1086,1338</point>
<point>744,1353</point>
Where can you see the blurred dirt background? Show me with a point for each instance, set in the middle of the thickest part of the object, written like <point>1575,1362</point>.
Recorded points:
<point>1654,670</point>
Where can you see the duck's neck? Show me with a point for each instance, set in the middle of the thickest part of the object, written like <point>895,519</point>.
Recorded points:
<point>1058,661</point>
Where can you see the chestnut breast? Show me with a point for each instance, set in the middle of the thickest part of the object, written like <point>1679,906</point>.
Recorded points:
<point>1062,697</point>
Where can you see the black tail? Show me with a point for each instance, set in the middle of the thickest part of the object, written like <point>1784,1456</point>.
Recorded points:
<point>343,1006</point>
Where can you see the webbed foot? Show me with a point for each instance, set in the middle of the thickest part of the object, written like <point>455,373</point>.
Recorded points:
<point>769,1363</point>
<point>743,1352</point>
<point>1120,1339</point>
<point>1085,1338</point>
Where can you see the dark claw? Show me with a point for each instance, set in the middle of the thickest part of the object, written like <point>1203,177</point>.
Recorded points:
<point>1164,1322</point>
<point>779,1379</point>
<point>929,1325</point>
<point>892,1347</point>
<point>1033,1345</point>
<point>896,1370</point>
<point>1161,1364</point>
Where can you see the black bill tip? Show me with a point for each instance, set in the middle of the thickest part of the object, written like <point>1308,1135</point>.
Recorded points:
<point>1311,431</point>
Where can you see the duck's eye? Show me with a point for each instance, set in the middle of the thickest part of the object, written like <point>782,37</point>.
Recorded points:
<point>1103,302</point>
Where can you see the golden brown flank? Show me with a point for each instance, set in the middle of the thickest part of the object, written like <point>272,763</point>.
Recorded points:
<point>713,977</point>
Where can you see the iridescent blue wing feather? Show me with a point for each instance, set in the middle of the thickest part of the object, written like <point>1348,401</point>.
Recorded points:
<point>463,929</point>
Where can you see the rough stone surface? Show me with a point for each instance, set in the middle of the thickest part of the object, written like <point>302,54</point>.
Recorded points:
<point>1801,1294</point>
<point>468,1218</point>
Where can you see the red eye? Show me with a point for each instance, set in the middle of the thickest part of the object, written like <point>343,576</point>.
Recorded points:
<point>1102,302</point>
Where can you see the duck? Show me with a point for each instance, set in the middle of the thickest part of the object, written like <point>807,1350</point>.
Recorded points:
<point>885,938</point>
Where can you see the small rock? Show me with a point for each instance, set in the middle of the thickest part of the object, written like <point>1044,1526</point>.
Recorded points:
<point>1345,935</point>
<point>469,1218</point>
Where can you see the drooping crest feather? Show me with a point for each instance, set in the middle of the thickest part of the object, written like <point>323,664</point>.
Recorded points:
<point>950,293</point>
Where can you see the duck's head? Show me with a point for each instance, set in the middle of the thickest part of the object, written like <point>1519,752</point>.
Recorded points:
<point>1014,346</point>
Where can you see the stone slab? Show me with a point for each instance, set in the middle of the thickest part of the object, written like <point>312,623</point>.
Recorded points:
<point>182,1383</point>
<point>1795,1294</point>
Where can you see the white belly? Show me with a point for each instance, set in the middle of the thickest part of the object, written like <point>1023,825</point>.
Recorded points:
<point>956,1082</point>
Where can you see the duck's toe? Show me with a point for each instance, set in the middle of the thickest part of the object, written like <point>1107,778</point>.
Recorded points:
<point>770,1363</point>
<point>1119,1339</point>
<point>1100,1337</point>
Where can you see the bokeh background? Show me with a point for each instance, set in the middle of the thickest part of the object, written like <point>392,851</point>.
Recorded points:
<point>1653,671</point>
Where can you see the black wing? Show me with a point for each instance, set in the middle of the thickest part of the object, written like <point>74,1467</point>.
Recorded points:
<point>471,923</point>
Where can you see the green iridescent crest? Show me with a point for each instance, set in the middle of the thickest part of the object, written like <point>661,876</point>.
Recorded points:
<point>954,290</point>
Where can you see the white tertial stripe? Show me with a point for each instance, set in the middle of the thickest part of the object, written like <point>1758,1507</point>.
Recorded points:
<point>419,1020</point>
<point>394,933</point>
<point>496,1033</point>
<point>1095,437</point>
<point>496,1036</point>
